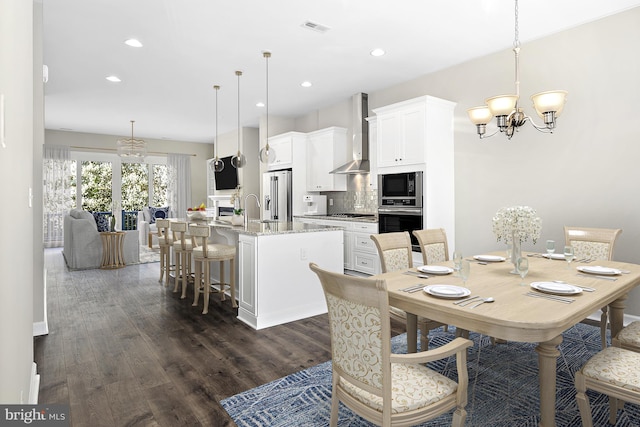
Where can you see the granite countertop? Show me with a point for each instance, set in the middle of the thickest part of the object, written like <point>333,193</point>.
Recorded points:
<point>364,218</point>
<point>261,228</point>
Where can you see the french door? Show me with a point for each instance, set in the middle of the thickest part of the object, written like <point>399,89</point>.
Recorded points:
<point>107,185</point>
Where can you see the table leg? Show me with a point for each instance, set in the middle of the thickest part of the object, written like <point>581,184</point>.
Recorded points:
<point>547,355</point>
<point>412,333</point>
<point>616,314</point>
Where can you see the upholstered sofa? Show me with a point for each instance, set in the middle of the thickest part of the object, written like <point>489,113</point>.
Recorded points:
<point>83,245</point>
<point>147,223</point>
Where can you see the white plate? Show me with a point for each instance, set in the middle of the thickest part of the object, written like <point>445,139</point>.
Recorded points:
<point>596,269</point>
<point>556,288</point>
<point>489,258</point>
<point>435,269</point>
<point>555,256</point>
<point>447,291</point>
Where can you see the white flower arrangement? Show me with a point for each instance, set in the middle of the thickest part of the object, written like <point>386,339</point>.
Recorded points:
<point>235,200</point>
<point>520,222</point>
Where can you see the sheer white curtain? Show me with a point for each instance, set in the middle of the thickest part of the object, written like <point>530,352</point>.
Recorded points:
<point>179,185</point>
<point>56,177</point>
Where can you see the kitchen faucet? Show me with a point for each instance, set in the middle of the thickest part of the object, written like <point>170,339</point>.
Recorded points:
<point>246,213</point>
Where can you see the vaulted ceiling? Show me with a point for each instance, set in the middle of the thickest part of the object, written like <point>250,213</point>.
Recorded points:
<point>189,46</point>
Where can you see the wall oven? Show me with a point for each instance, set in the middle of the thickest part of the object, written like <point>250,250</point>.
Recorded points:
<point>400,204</point>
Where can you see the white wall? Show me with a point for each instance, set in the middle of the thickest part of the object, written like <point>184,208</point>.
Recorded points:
<point>585,174</point>
<point>16,178</point>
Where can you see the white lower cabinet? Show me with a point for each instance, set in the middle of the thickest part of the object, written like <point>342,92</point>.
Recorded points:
<point>360,253</point>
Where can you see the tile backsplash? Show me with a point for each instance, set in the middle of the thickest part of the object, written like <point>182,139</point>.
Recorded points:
<point>358,198</point>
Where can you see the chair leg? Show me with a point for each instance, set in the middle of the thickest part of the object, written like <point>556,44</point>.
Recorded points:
<point>197,283</point>
<point>613,410</point>
<point>459,417</point>
<point>186,277</point>
<point>179,271</point>
<point>583,400</point>
<point>335,402</point>
<point>222,295</point>
<point>162,264</point>
<point>207,287</point>
<point>603,326</point>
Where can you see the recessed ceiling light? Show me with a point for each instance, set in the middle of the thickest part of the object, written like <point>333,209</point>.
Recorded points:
<point>114,79</point>
<point>260,104</point>
<point>377,52</point>
<point>305,84</point>
<point>133,43</point>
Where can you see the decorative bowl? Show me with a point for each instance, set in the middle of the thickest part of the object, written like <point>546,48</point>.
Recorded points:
<point>196,215</point>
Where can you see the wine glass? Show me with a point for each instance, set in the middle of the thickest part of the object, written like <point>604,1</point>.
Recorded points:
<point>568,255</point>
<point>465,267</point>
<point>457,259</point>
<point>523,268</point>
<point>551,248</point>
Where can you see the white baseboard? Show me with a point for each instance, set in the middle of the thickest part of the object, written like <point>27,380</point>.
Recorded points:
<point>628,318</point>
<point>40,328</point>
<point>34,387</point>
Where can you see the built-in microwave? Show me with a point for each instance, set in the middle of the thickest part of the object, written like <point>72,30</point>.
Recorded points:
<point>400,189</point>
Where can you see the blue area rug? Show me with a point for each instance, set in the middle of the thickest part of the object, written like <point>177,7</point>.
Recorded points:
<point>503,388</point>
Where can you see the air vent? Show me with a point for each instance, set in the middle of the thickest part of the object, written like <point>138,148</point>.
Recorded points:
<point>310,25</point>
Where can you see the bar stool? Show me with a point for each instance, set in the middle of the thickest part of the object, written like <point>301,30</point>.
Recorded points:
<point>165,241</point>
<point>183,248</point>
<point>206,253</point>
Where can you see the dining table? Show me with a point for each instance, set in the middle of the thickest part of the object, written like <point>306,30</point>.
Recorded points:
<point>513,314</point>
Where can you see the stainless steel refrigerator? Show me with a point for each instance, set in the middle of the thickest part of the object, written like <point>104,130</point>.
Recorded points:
<point>277,202</point>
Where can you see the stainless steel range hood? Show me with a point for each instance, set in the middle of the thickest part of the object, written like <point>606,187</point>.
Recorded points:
<point>360,126</point>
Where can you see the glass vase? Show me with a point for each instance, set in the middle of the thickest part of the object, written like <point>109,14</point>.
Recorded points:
<point>516,252</point>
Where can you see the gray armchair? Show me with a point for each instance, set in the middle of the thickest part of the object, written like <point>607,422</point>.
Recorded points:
<point>83,245</point>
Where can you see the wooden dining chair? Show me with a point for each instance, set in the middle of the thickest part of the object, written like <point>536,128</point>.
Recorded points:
<point>433,245</point>
<point>394,250</point>
<point>593,244</point>
<point>628,337</point>
<point>385,388</point>
<point>613,371</point>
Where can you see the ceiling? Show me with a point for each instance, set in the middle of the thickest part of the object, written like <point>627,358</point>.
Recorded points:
<point>167,85</point>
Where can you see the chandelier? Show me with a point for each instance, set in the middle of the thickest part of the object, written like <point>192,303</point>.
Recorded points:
<point>238,160</point>
<point>506,108</point>
<point>132,147</point>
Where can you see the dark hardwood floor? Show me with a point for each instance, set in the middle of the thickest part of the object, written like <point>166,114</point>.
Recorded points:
<point>123,350</point>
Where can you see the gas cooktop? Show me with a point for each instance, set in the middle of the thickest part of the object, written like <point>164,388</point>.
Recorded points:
<point>351,215</point>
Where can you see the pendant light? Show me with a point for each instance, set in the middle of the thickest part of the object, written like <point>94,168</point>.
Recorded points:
<point>238,160</point>
<point>217,165</point>
<point>267,154</point>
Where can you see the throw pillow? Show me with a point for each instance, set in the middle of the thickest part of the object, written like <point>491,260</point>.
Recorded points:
<point>102,221</point>
<point>161,213</point>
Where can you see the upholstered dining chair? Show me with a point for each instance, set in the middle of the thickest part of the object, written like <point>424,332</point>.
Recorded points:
<point>394,250</point>
<point>203,254</point>
<point>385,388</point>
<point>183,248</point>
<point>628,337</point>
<point>433,245</point>
<point>613,371</point>
<point>165,241</point>
<point>593,244</point>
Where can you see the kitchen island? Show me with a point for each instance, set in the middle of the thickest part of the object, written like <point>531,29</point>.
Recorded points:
<point>275,284</point>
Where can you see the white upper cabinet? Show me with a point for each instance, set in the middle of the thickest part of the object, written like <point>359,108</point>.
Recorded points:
<point>401,133</point>
<point>326,150</point>
<point>283,146</point>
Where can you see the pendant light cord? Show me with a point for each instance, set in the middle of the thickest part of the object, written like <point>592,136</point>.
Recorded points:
<point>267,55</point>
<point>238,73</point>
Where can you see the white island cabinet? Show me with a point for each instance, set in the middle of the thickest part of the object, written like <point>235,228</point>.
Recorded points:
<point>276,285</point>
